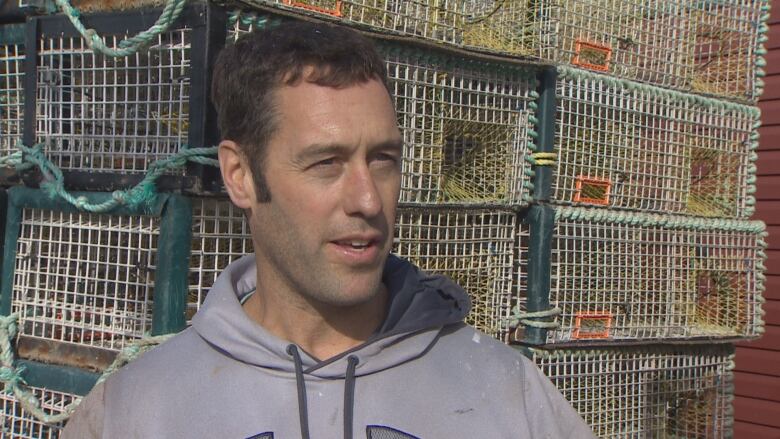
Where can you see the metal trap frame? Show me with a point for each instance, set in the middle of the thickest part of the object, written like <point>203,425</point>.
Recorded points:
<point>475,247</point>
<point>85,284</point>
<point>436,20</point>
<point>220,235</point>
<point>625,278</point>
<point>650,391</point>
<point>627,145</point>
<point>729,48</point>
<point>55,387</point>
<point>11,90</point>
<point>104,120</point>
<point>469,125</point>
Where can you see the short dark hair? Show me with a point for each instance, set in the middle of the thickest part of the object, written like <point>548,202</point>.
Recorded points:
<point>247,73</point>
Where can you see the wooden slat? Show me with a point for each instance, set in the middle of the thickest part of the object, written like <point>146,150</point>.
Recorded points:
<point>773,240</point>
<point>769,162</point>
<point>772,310</point>
<point>747,430</point>
<point>757,386</point>
<point>770,340</point>
<point>772,288</point>
<point>773,62</point>
<point>757,411</point>
<point>769,212</point>
<point>758,361</point>
<point>774,37</point>
<point>773,262</point>
<point>770,112</point>
<point>768,187</point>
<point>770,136</point>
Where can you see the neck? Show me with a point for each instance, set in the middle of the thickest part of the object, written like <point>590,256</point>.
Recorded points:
<point>321,330</point>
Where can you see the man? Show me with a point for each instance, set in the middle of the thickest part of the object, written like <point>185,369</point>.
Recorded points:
<point>321,333</point>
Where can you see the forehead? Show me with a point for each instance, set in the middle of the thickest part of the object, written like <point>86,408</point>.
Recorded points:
<point>356,114</point>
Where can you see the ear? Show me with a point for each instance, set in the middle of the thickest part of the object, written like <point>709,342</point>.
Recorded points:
<point>236,174</point>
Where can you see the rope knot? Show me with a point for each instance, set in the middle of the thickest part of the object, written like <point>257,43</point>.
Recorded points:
<point>534,319</point>
<point>11,376</point>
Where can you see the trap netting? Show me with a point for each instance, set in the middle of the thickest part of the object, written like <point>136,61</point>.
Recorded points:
<point>468,125</point>
<point>475,248</point>
<point>84,278</point>
<point>468,128</point>
<point>620,277</point>
<point>220,235</point>
<point>429,19</point>
<point>680,392</point>
<point>11,90</point>
<point>627,145</point>
<point>17,423</point>
<point>729,57</point>
<point>102,114</point>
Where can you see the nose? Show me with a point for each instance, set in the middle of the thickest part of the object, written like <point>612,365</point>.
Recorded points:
<point>361,196</point>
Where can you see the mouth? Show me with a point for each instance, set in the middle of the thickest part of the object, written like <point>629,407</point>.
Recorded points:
<point>358,250</point>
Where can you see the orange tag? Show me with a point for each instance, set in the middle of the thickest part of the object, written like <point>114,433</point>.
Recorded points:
<point>336,11</point>
<point>592,190</point>
<point>592,325</point>
<point>592,56</point>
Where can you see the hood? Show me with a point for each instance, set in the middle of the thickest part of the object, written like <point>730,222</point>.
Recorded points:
<point>419,306</point>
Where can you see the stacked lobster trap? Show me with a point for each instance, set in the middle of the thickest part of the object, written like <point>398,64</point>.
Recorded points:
<point>584,169</point>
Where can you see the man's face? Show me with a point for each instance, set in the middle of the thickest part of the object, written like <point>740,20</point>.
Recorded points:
<point>333,172</point>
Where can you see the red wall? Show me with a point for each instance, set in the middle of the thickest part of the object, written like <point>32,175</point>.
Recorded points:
<point>757,376</point>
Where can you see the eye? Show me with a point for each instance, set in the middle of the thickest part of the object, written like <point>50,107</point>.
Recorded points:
<point>386,157</point>
<point>325,162</point>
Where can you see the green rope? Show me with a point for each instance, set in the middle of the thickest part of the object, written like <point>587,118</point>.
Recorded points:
<point>655,91</point>
<point>531,319</point>
<point>11,376</point>
<point>143,194</point>
<point>128,46</point>
<point>659,220</point>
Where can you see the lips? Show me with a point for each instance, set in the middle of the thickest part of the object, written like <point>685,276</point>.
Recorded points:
<point>357,250</point>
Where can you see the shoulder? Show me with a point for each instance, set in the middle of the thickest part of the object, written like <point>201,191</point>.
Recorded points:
<point>464,341</point>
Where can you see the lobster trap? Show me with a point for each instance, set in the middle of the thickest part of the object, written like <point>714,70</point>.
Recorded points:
<point>84,284</point>
<point>11,90</point>
<point>729,50</point>
<point>626,145</point>
<point>103,120</point>
<point>646,391</point>
<point>220,235</point>
<point>475,248</point>
<point>468,128</point>
<point>18,423</point>
<point>618,277</point>
<point>428,19</point>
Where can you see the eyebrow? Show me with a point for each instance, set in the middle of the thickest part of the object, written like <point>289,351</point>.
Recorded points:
<point>320,149</point>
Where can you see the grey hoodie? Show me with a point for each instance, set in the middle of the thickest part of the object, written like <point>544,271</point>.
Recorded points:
<point>424,374</point>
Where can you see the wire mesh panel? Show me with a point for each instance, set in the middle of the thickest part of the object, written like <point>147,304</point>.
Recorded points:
<point>429,19</point>
<point>729,51</point>
<point>17,423</point>
<point>626,145</point>
<point>84,278</point>
<point>468,125</point>
<point>98,114</point>
<point>473,247</point>
<point>11,87</point>
<point>632,277</point>
<point>649,41</point>
<point>86,284</point>
<point>681,392</point>
<point>220,235</point>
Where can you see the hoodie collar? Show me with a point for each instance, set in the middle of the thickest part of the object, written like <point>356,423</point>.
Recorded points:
<point>419,306</point>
